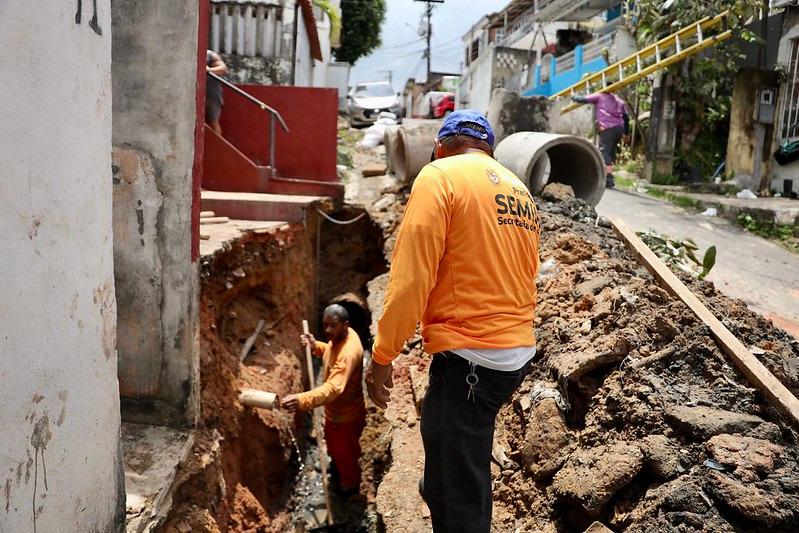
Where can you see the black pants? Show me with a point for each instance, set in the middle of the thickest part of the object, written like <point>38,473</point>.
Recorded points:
<point>458,433</point>
<point>608,141</point>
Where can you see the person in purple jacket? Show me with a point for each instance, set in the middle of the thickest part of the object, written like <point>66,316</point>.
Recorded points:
<point>614,124</point>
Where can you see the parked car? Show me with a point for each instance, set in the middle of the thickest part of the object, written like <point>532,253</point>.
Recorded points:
<point>445,106</point>
<point>367,100</point>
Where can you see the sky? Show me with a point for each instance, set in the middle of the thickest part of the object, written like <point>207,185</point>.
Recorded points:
<point>403,49</point>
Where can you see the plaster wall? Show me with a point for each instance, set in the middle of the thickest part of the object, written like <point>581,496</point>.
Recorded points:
<point>476,85</point>
<point>303,62</point>
<point>743,142</point>
<point>320,68</point>
<point>60,454</point>
<point>785,178</point>
<point>154,88</point>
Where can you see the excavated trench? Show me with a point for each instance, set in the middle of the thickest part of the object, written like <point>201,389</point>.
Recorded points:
<point>248,472</point>
<point>682,443</point>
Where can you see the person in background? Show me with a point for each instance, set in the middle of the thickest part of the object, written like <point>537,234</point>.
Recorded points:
<point>614,125</point>
<point>213,90</point>
<point>341,394</point>
<point>465,262</point>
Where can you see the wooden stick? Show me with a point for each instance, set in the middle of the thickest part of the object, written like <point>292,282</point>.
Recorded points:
<point>662,354</point>
<point>251,340</point>
<point>207,214</point>
<point>774,391</point>
<point>320,439</point>
<point>214,220</point>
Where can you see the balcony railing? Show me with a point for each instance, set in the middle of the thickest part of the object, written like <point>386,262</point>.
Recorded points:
<point>247,29</point>
<point>555,73</point>
<point>539,11</point>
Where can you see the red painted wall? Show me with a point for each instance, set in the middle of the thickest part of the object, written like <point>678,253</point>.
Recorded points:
<point>308,151</point>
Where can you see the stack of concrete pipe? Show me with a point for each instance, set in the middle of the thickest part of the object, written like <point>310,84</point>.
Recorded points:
<point>540,158</point>
<point>537,158</point>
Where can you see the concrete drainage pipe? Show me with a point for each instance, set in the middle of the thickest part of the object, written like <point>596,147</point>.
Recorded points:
<point>412,151</point>
<point>390,141</point>
<point>540,158</point>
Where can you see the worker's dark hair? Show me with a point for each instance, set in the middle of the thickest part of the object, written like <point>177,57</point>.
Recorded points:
<point>337,311</point>
<point>460,141</point>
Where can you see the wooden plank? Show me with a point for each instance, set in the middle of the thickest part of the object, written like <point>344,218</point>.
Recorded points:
<point>214,220</point>
<point>207,214</point>
<point>775,392</point>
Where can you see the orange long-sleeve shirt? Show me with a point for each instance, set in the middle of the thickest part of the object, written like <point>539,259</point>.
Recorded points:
<point>465,261</point>
<point>342,392</point>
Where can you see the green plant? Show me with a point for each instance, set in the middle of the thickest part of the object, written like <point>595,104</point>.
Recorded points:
<point>680,254</point>
<point>333,15</point>
<point>360,33</point>
<point>676,199</point>
<point>785,235</point>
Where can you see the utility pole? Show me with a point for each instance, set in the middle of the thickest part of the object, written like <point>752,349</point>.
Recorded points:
<point>390,76</point>
<point>429,32</point>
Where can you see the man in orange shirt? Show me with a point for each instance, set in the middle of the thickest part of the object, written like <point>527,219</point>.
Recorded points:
<point>341,393</point>
<point>464,262</point>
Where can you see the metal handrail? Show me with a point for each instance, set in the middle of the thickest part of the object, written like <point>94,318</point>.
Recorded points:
<point>273,113</point>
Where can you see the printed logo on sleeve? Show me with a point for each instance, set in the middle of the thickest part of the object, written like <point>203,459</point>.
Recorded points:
<point>492,176</point>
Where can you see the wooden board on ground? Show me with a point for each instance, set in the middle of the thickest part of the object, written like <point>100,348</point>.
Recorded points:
<point>774,391</point>
<point>375,169</point>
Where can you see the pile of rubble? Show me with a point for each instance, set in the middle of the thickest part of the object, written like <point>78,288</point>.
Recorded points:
<point>632,419</point>
<point>632,416</point>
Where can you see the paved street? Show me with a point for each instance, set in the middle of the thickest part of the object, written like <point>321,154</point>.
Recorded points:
<point>759,272</point>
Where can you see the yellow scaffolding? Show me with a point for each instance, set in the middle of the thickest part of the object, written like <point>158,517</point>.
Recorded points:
<point>665,52</point>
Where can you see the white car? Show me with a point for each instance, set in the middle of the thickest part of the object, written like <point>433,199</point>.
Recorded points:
<point>367,100</point>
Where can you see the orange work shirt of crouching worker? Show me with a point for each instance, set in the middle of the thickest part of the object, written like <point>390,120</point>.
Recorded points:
<point>342,391</point>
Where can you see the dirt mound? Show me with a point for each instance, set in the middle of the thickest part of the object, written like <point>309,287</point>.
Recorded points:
<point>633,442</point>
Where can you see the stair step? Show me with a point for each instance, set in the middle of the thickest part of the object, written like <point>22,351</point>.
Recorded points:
<point>260,206</point>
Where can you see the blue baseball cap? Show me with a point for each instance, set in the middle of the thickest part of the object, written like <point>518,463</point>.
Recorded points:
<point>467,122</point>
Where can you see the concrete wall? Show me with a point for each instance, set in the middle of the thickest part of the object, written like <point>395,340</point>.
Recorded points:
<point>474,91</point>
<point>785,175</point>
<point>747,137</point>
<point>60,454</point>
<point>312,126</point>
<point>154,88</point>
<point>303,62</point>
<point>510,113</point>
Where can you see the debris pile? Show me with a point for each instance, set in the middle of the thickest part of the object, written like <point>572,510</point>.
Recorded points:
<point>632,416</point>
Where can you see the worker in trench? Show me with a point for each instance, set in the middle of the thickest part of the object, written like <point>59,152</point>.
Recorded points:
<point>341,394</point>
<point>465,263</point>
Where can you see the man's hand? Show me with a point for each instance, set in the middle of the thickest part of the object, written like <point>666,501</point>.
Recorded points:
<point>625,140</point>
<point>307,339</point>
<point>378,381</point>
<point>290,403</point>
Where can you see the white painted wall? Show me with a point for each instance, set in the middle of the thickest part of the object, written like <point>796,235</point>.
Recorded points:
<point>303,66</point>
<point>476,83</point>
<point>59,399</point>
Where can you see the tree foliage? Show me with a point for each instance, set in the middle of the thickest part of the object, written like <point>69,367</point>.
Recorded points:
<point>360,34</point>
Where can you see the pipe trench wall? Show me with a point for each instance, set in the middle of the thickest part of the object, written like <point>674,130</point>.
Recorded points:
<point>60,454</point>
<point>154,87</point>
